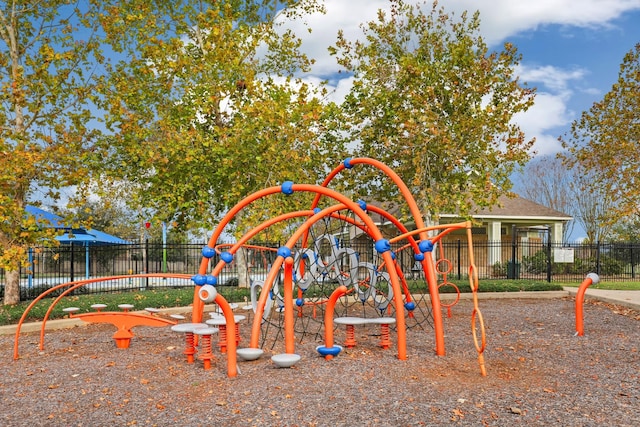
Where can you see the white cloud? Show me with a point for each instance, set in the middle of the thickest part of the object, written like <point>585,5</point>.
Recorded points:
<point>550,110</point>
<point>553,78</point>
<point>504,18</point>
<point>500,20</point>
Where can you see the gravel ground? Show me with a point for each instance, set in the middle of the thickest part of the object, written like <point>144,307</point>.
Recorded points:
<point>538,373</point>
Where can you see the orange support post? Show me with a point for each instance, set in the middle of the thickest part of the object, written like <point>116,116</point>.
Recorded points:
<point>289,338</point>
<point>591,279</point>
<point>328,317</point>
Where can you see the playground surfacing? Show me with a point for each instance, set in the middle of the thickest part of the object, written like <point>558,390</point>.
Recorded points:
<point>538,373</point>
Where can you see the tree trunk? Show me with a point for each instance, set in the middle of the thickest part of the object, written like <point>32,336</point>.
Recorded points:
<point>244,279</point>
<point>12,287</point>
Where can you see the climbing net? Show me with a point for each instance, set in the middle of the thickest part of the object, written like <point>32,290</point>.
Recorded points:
<point>327,257</point>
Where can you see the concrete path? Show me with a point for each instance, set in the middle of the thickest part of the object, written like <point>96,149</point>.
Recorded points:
<point>629,299</point>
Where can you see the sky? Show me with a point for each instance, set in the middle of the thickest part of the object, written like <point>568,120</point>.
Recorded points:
<point>571,50</point>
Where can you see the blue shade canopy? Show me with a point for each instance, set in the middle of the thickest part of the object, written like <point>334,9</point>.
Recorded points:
<point>76,235</point>
<point>91,236</point>
<point>46,219</point>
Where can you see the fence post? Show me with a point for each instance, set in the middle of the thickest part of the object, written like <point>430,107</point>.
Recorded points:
<point>146,266</point>
<point>598,258</point>
<point>633,265</point>
<point>548,257</point>
<point>512,269</point>
<point>459,259</point>
<point>71,279</point>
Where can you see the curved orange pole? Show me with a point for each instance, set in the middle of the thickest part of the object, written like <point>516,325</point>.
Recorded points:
<point>591,279</point>
<point>232,358</point>
<point>289,339</point>
<point>264,294</point>
<point>374,232</point>
<point>73,286</point>
<point>476,314</point>
<point>198,304</point>
<point>328,317</point>
<point>417,216</point>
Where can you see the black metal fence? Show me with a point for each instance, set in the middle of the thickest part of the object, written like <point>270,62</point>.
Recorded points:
<point>496,260</point>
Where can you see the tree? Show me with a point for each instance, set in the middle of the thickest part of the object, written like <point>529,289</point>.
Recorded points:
<point>431,100</point>
<point>48,54</point>
<point>546,180</point>
<point>604,142</point>
<point>207,109</point>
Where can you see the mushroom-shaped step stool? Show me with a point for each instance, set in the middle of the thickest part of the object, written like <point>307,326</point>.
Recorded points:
<point>350,323</point>
<point>188,329</point>
<point>206,355</point>
<point>221,323</point>
<point>384,322</point>
<point>248,354</point>
<point>98,307</point>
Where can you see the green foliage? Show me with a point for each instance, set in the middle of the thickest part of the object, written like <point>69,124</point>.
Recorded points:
<point>499,269</point>
<point>604,140</point>
<point>537,263</point>
<point>219,114</point>
<point>433,102</point>
<point>608,265</point>
<point>49,54</point>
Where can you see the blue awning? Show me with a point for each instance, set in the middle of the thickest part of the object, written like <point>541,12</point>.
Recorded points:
<point>79,235</point>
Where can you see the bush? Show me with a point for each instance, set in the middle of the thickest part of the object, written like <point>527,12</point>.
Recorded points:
<point>536,264</point>
<point>499,269</point>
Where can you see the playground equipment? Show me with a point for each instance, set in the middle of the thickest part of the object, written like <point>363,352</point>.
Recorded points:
<point>316,276</point>
<point>314,280</point>
<point>123,320</point>
<point>591,279</point>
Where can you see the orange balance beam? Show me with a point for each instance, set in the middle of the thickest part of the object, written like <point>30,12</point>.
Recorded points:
<point>124,321</point>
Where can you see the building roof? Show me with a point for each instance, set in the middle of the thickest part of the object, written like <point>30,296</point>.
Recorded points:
<point>518,208</point>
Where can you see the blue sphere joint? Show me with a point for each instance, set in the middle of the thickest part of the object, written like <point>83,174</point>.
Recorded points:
<point>227,257</point>
<point>208,252</point>
<point>425,246</point>
<point>211,280</point>
<point>287,187</point>
<point>418,257</point>
<point>410,306</point>
<point>362,204</point>
<point>393,255</point>
<point>299,302</point>
<point>347,163</point>
<point>284,252</point>
<point>382,246</point>
<point>199,279</point>
<point>329,351</point>
<point>317,210</point>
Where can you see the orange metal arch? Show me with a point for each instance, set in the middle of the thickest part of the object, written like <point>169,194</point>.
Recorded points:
<point>417,216</point>
<point>374,232</point>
